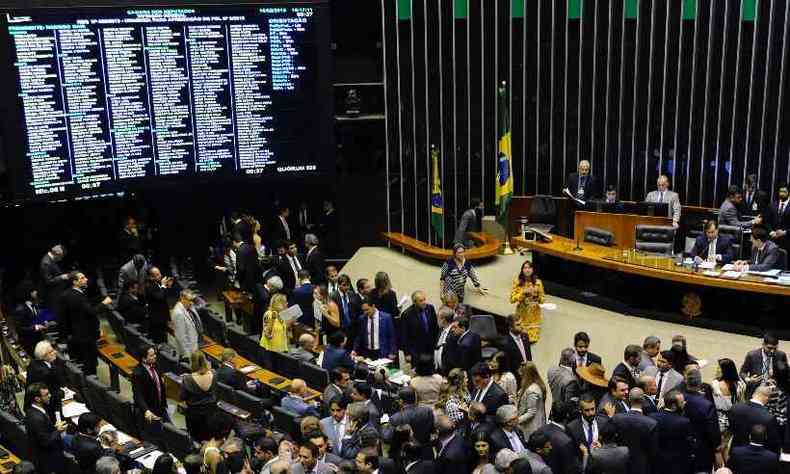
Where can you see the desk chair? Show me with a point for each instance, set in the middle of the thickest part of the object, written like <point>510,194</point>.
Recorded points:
<point>177,441</point>
<point>655,239</point>
<point>96,396</point>
<point>598,236</point>
<point>782,259</point>
<point>484,326</point>
<point>121,413</point>
<point>287,422</point>
<point>14,434</point>
<point>74,377</point>
<point>737,237</point>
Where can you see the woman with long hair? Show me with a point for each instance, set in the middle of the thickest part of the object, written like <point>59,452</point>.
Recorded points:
<point>728,389</point>
<point>483,453</point>
<point>527,294</point>
<point>454,396</point>
<point>325,310</point>
<point>383,296</point>
<point>198,391</point>
<point>455,271</point>
<point>274,336</point>
<point>503,377</point>
<point>531,399</point>
<point>427,384</point>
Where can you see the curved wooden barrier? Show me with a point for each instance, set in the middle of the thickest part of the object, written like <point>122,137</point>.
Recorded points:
<point>487,246</point>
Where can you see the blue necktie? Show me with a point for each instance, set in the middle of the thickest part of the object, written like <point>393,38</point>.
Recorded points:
<point>589,435</point>
<point>424,320</point>
<point>346,317</point>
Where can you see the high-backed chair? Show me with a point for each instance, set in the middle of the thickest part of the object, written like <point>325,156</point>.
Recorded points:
<point>596,235</point>
<point>177,441</point>
<point>736,233</point>
<point>287,421</point>
<point>14,434</point>
<point>484,326</point>
<point>782,259</point>
<point>655,238</point>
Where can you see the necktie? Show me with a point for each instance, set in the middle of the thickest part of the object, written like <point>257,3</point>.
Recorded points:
<point>370,333</point>
<point>661,196</point>
<point>424,320</point>
<point>196,322</point>
<point>153,375</point>
<point>660,382</point>
<point>782,208</point>
<point>346,316</point>
<point>767,366</point>
<point>757,256</point>
<point>712,251</point>
<point>589,435</point>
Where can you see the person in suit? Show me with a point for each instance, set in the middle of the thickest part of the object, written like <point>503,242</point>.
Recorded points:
<point>537,456</point>
<point>413,460</point>
<point>464,349</point>
<point>639,433</point>
<point>281,228</point>
<point>583,356</point>
<point>582,185</point>
<point>329,228</point>
<point>628,369</point>
<point>348,305</point>
<point>586,428</point>
<point>704,422</point>
<point>360,428</point>
<point>129,243</point>
<point>507,435</point>
<point>156,290</point>
<point>754,458</point>
<point>302,295</point>
<point>760,363</point>
<point>516,347</point>
<point>749,205</point>
<point>663,195</point>
<point>46,368</point>
<point>486,390</point>
<point>609,457</point>
<point>470,221</point>
<point>651,346</point>
<point>334,426</point>
<point>779,218</point>
<point>187,327</point>
<point>611,200</point>
<point>335,352</point>
<point>24,314</point>
<point>712,246</point>
<point>564,453</point>
<point>135,269</point>
<point>248,267</point>
<point>729,213</point>
<point>364,394</point>
<point>340,383</point>
<point>420,328</point>
<point>675,435</point>
<point>562,379</point>
<point>86,448</point>
<point>294,400</point>
<point>452,456</point>
<point>376,338</point>
<point>325,456</point>
<point>765,254</point>
<point>666,377</point>
<point>148,388</point>
<point>304,350</point>
<point>650,402</point>
<point>616,397</point>
<point>227,373</point>
<point>331,276</point>
<point>54,281</point>
<point>744,416</point>
<point>443,356</point>
<point>420,418</point>
<point>307,461</point>
<point>131,306</point>
<point>314,260</point>
<point>46,437</point>
<point>82,322</point>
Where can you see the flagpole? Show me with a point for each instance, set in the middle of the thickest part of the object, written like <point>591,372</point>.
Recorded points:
<point>506,249</point>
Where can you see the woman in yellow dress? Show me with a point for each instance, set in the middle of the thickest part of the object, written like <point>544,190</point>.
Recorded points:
<point>275,332</point>
<point>527,294</point>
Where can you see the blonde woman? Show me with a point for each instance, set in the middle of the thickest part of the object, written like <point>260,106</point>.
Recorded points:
<point>275,332</point>
<point>527,294</point>
<point>454,396</point>
<point>531,399</point>
<point>198,391</point>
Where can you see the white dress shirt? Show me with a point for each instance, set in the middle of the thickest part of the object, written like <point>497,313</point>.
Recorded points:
<point>375,319</point>
<point>437,354</point>
<point>285,226</point>
<point>481,394</point>
<point>712,250</point>
<point>520,344</point>
<point>515,443</point>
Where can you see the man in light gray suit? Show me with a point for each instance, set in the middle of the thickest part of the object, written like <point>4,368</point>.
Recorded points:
<point>135,269</point>
<point>470,221</point>
<point>667,378</point>
<point>664,195</point>
<point>304,351</point>
<point>187,327</point>
<point>729,214</point>
<point>562,380</point>
<point>334,426</point>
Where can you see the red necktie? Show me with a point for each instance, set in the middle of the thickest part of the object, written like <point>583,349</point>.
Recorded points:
<point>153,375</point>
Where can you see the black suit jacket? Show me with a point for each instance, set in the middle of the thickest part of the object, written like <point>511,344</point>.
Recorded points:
<point>51,286</point>
<point>52,377</point>
<point>133,310</point>
<point>231,377</point>
<point>777,222</point>
<point>248,267</point>
<point>454,458</point>
<point>422,467</point>
<point>576,431</point>
<point>494,398</point>
<point>591,188</point>
<point>87,451</point>
<point>565,457</point>
<point>22,317</point>
<point>80,316</point>
<point>622,371</point>
<point>500,441</point>
<point>753,362</point>
<point>145,393</point>
<point>744,416</point>
<point>639,433</point>
<point>415,339</point>
<point>46,444</point>
<point>129,244</point>
<point>723,247</point>
<point>277,231</point>
<point>705,424</point>
<point>418,417</point>
<point>158,308</point>
<point>767,259</point>
<point>675,441</point>
<point>513,355</point>
<point>314,262</point>
<point>466,351</point>
<point>751,459</point>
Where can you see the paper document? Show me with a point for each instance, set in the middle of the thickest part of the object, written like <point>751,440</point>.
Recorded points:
<point>732,275</point>
<point>68,394</point>
<point>107,427</point>
<point>711,273</point>
<point>380,362</point>
<point>74,409</point>
<point>549,306</point>
<point>706,265</point>
<point>568,193</point>
<point>767,273</point>
<point>292,313</point>
<point>149,459</point>
<point>728,267</point>
<point>399,378</point>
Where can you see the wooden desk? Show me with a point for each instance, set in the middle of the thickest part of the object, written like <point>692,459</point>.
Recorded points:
<point>486,246</point>
<point>241,304</point>
<point>623,226</point>
<point>117,359</point>
<point>266,377</point>
<point>7,463</point>
<point>659,267</point>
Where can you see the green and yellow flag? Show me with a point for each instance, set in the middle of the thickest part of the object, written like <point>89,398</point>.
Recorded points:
<point>504,174</point>
<point>437,204</point>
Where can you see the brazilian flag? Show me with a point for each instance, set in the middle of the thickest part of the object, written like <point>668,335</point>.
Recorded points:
<point>504,174</point>
<point>437,205</point>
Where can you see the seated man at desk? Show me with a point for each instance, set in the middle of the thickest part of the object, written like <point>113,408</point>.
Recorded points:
<point>729,213</point>
<point>765,254</point>
<point>711,246</point>
<point>663,195</point>
<point>582,185</point>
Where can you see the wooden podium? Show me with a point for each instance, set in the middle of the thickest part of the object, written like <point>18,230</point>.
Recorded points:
<point>623,226</point>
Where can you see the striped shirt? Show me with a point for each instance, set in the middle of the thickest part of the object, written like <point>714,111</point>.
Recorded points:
<point>454,277</point>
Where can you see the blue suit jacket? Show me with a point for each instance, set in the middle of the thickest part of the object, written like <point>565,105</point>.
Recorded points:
<point>753,460</point>
<point>303,296</point>
<point>388,343</point>
<point>336,356</point>
<point>723,247</point>
<point>299,406</point>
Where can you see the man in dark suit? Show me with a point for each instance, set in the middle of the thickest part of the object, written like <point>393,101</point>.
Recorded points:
<point>464,348</point>
<point>420,418</point>
<point>470,221</point>
<point>760,364</point>
<point>227,373</point>
<point>779,220</point>
<point>616,396</point>
<point>565,455</point>
<point>413,461</point>
<point>452,455</point>
<point>329,228</point>
<point>131,306</point>
<point>82,322</point>
<point>487,392</point>
<point>24,314</point>
<point>711,246</point>
<point>281,229</point>
<point>376,338</point>
<point>129,239</point>
<point>675,435</point>
<point>744,416</point>
<point>753,458</point>
<point>314,260</point>
<point>45,435</point>
<point>335,352</point>
<point>516,346</point>
<point>84,445</point>
<point>420,328</point>
<point>581,343</point>
<point>46,369</point>
<point>582,185</point>
<point>765,254</point>
<point>628,370</point>
<point>302,295</point>
<point>639,434</point>
<point>156,290</point>
<point>704,422</point>
<point>349,305</point>
<point>586,428</point>
<point>289,266</point>
<point>148,389</point>
<point>53,281</point>
<point>508,435</point>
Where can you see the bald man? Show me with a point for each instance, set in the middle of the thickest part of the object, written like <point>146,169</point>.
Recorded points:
<point>662,194</point>
<point>582,184</point>
<point>294,401</point>
<point>638,432</point>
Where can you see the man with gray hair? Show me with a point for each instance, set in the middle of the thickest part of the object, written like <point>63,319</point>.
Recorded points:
<point>562,380</point>
<point>304,351</point>
<point>187,328</point>
<point>650,349</point>
<point>704,422</point>
<point>639,433</point>
<point>44,369</point>
<point>582,184</point>
<point>108,465</point>
<point>419,327</point>
<point>504,458</point>
<point>444,319</point>
<point>508,435</point>
<point>314,260</point>
<point>744,416</point>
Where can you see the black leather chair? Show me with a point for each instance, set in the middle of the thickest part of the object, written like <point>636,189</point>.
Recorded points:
<point>595,235</point>
<point>168,361</point>
<point>14,435</point>
<point>121,414</point>
<point>214,326</point>
<point>246,346</point>
<point>285,364</point>
<point>316,377</point>
<point>118,325</point>
<point>96,396</point>
<point>484,326</point>
<point>782,259</point>
<point>251,403</point>
<point>177,442</point>
<point>287,422</point>
<point>226,393</point>
<point>736,233</point>
<point>655,239</point>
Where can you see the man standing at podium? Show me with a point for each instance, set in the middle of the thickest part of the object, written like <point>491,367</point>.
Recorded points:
<point>582,185</point>
<point>664,195</point>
